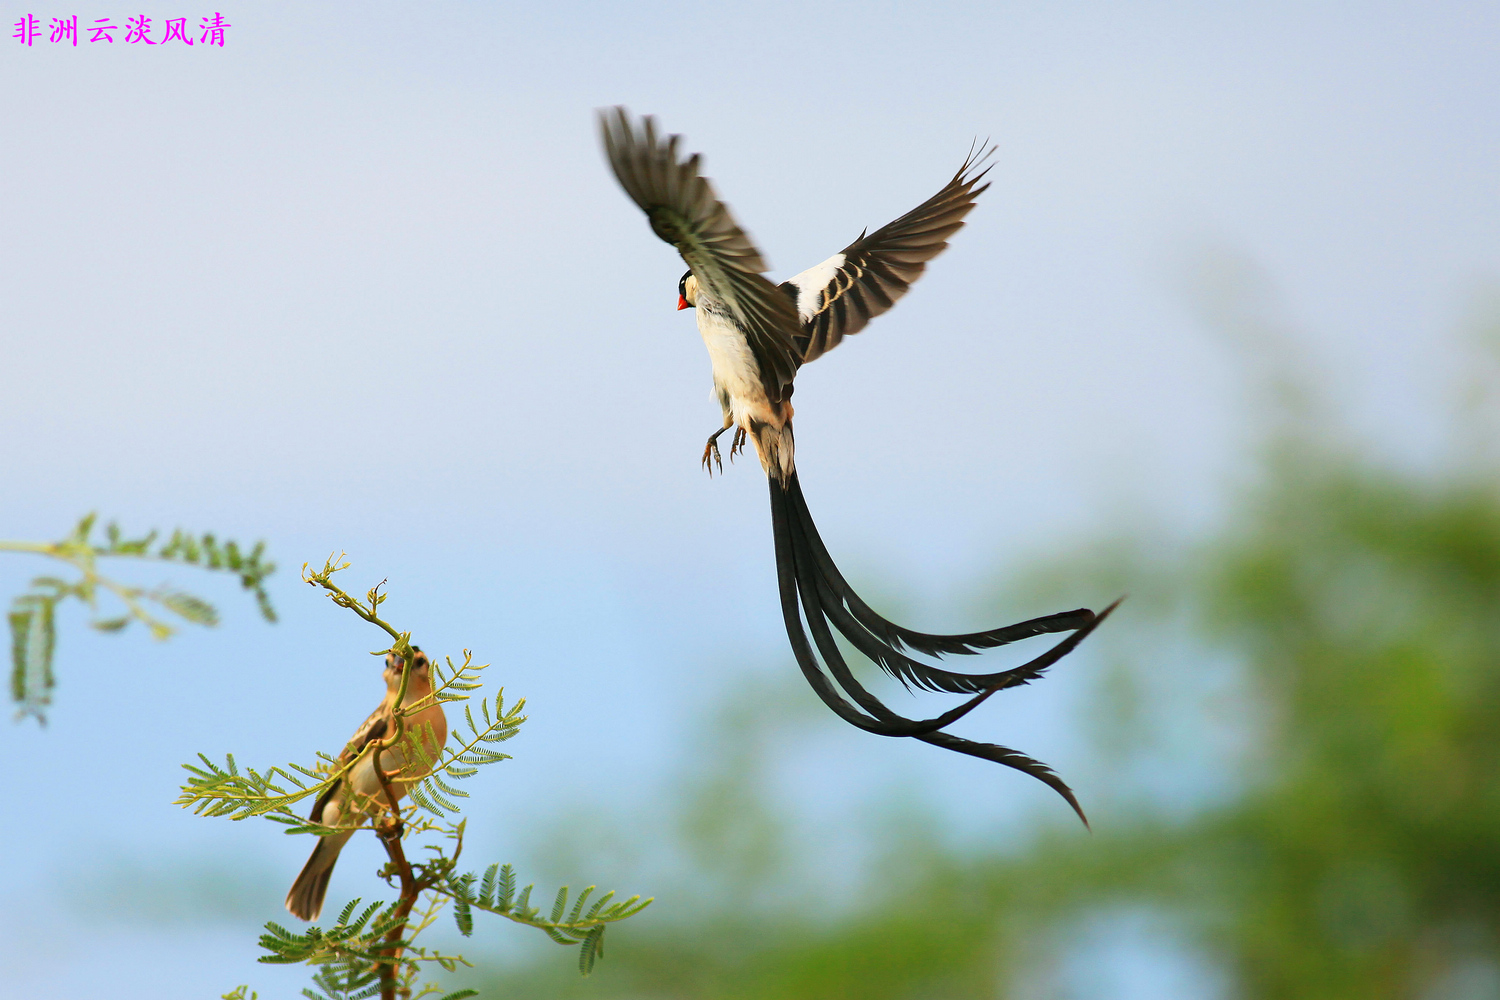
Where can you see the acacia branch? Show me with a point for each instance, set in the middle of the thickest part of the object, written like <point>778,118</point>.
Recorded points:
<point>411,886</point>
<point>401,646</point>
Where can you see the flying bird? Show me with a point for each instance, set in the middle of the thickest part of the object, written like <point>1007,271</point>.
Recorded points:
<point>359,795</point>
<point>758,335</point>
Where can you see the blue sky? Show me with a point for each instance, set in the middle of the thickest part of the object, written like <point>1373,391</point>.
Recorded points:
<point>361,281</point>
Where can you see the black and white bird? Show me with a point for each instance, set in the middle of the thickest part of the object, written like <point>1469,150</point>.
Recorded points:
<point>758,334</point>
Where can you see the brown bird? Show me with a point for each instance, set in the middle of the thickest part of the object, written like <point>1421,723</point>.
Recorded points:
<point>359,796</point>
<point>758,335</point>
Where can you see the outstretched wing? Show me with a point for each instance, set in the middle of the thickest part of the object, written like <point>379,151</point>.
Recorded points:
<point>685,212</point>
<point>839,296</point>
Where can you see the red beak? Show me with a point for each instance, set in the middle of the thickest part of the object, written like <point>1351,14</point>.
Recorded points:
<point>682,304</point>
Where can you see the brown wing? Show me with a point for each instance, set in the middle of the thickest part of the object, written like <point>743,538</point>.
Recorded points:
<point>839,296</point>
<point>374,728</point>
<point>685,212</point>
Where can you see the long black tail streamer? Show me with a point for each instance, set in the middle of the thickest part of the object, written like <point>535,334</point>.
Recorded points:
<point>813,588</point>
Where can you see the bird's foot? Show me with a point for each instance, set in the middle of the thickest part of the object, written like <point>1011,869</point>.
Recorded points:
<point>738,445</point>
<point>711,452</point>
<point>391,828</point>
<point>711,455</point>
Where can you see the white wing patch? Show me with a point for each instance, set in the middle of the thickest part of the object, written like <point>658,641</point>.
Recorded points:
<point>812,283</point>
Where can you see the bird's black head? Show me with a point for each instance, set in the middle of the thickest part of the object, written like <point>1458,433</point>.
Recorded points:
<point>687,291</point>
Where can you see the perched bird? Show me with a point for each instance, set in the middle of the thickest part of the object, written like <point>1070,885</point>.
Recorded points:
<point>359,794</point>
<point>758,334</point>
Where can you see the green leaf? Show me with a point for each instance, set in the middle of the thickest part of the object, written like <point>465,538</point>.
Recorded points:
<point>20,659</point>
<point>583,897</point>
<point>33,636</point>
<point>592,948</point>
<point>599,904</point>
<point>463,916</point>
<point>85,528</point>
<point>47,640</point>
<point>194,609</point>
<point>487,885</point>
<point>507,885</point>
<point>347,911</point>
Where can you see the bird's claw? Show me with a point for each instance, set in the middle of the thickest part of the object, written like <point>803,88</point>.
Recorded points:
<point>711,450</point>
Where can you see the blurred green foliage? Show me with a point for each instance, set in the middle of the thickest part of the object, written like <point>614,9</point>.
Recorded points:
<point>1348,846</point>
<point>33,614</point>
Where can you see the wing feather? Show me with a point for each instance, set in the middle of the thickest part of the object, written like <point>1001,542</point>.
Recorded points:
<point>838,297</point>
<point>684,211</point>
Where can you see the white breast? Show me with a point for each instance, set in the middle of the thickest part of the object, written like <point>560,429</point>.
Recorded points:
<point>736,372</point>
